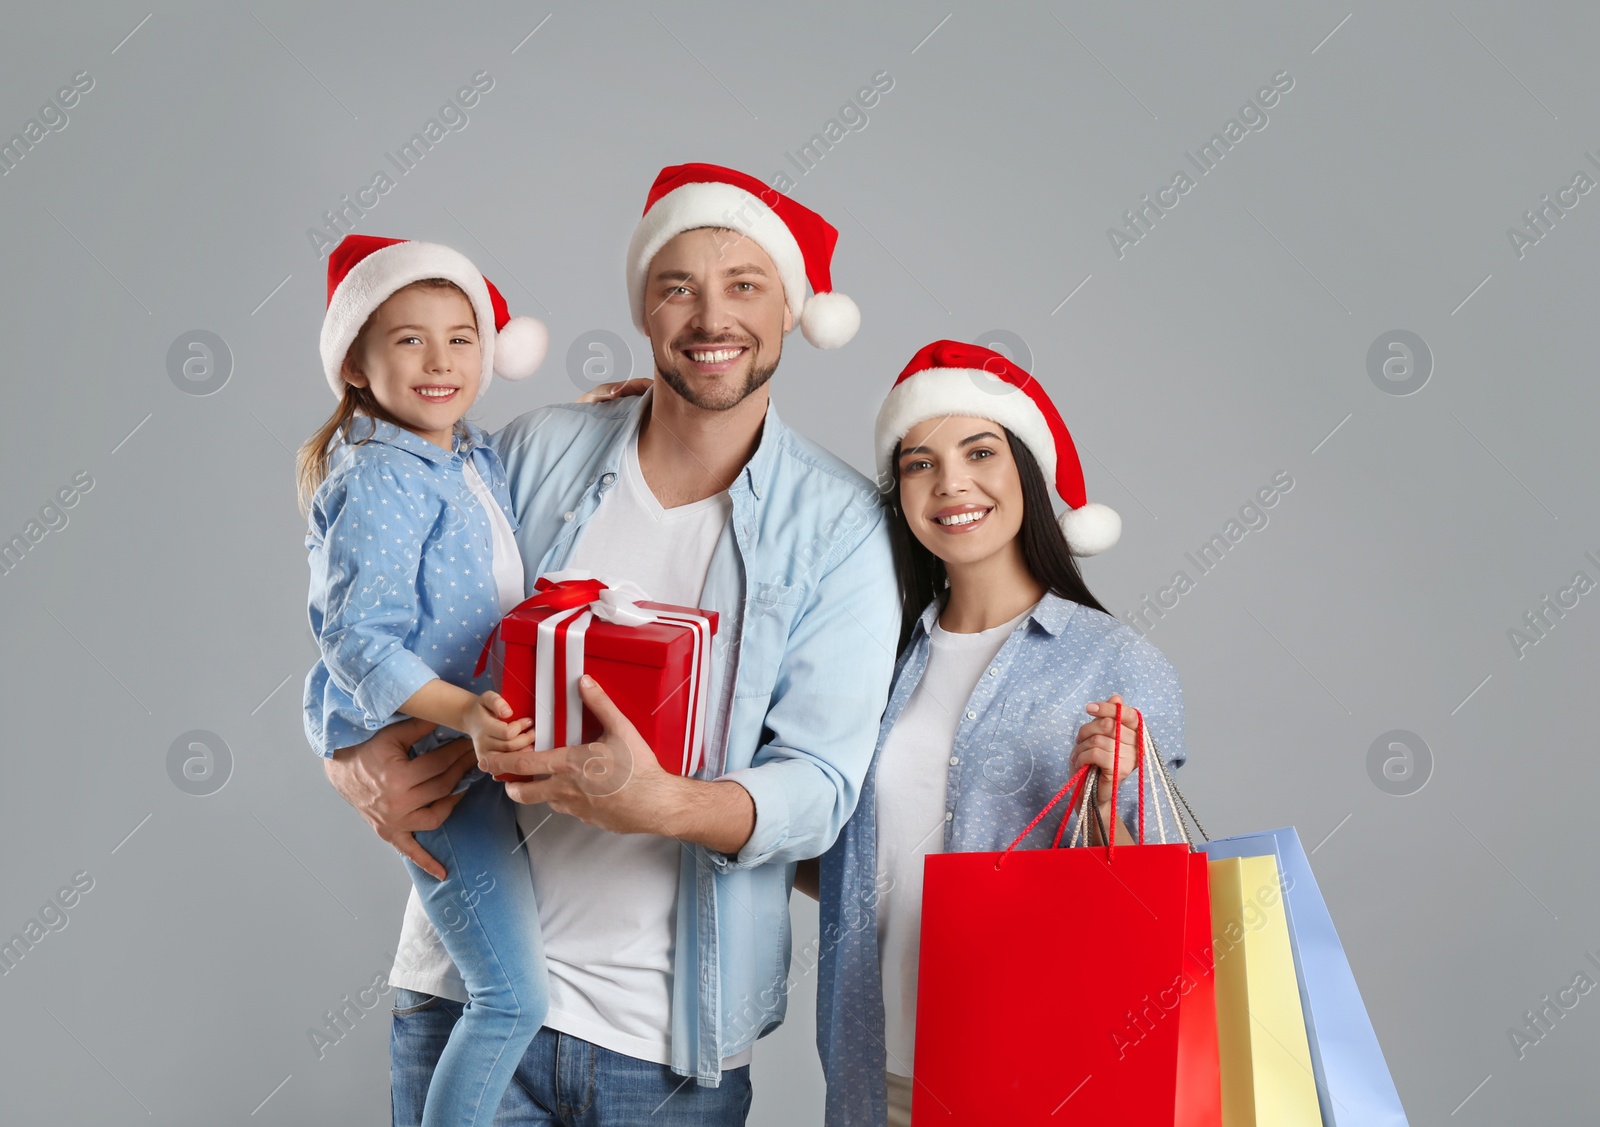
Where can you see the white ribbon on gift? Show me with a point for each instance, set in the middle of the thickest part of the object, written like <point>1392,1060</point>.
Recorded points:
<point>617,604</point>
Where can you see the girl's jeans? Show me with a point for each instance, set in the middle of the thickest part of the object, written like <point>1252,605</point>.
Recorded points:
<point>485,915</point>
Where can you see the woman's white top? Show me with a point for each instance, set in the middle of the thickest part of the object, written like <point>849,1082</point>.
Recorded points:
<point>912,769</point>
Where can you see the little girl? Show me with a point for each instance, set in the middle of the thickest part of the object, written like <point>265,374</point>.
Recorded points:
<point>413,562</point>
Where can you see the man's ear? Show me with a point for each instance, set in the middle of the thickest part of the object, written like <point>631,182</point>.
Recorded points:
<point>788,317</point>
<point>352,374</point>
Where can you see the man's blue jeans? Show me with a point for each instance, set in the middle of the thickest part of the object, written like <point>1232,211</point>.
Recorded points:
<point>562,1079</point>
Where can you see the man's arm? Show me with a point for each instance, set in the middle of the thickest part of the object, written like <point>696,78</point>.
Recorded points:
<point>828,698</point>
<point>617,784</point>
<point>719,814</point>
<point>808,877</point>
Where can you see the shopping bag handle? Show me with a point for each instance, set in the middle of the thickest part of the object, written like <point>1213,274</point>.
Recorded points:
<point>1077,782</point>
<point>1073,784</point>
<point>1174,798</point>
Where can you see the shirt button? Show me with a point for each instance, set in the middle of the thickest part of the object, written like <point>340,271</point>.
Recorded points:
<point>949,815</point>
<point>972,715</point>
<point>567,516</point>
<point>607,479</point>
<point>954,760</point>
<point>994,673</point>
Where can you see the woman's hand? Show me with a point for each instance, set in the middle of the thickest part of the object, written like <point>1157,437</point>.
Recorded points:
<point>1095,747</point>
<point>604,392</point>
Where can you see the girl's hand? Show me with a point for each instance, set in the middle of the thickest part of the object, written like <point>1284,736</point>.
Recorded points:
<point>604,392</point>
<point>489,723</point>
<point>1095,747</point>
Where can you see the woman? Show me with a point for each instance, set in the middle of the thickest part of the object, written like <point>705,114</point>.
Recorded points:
<point>1003,652</point>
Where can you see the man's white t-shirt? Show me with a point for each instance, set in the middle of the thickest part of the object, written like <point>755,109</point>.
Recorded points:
<point>607,901</point>
<point>912,770</point>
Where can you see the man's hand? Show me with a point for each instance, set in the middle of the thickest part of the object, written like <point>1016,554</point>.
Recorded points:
<point>604,392</point>
<point>614,783</point>
<point>398,795</point>
<point>617,784</point>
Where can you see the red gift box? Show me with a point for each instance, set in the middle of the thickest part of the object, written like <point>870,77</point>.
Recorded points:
<point>653,661</point>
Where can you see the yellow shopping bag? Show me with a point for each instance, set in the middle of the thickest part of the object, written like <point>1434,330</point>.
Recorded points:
<point>1261,1033</point>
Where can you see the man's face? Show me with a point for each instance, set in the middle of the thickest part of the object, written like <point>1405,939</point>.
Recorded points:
<point>716,314</point>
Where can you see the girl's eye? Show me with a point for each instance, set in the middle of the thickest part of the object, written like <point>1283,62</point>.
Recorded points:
<point>980,452</point>
<point>460,340</point>
<point>912,467</point>
<point>410,340</point>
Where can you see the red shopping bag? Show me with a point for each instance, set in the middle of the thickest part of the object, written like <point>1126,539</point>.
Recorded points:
<point>1066,985</point>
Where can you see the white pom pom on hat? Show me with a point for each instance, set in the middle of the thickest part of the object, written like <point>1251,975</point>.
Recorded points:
<point>1091,528</point>
<point>365,270</point>
<point>520,347</point>
<point>800,242</point>
<point>949,377</point>
<point>830,320</point>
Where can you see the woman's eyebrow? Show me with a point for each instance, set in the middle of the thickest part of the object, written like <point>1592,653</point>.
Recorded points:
<point>963,442</point>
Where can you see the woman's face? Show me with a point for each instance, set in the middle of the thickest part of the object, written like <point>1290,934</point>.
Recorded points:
<point>959,488</point>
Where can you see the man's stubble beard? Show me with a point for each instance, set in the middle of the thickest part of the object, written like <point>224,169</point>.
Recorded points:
<point>757,378</point>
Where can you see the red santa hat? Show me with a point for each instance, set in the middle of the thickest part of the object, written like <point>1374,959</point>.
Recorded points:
<point>799,241</point>
<point>951,378</point>
<point>364,270</point>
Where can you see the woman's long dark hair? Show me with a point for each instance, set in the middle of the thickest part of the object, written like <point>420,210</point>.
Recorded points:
<point>1044,548</point>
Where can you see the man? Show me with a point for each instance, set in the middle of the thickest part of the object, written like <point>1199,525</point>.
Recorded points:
<point>664,900</point>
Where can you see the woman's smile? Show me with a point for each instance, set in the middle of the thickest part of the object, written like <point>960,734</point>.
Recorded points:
<point>961,518</point>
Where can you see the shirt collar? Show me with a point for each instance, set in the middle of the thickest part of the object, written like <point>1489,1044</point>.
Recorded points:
<point>756,473</point>
<point>1051,613</point>
<point>759,469</point>
<point>612,460</point>
<point>468,435</point>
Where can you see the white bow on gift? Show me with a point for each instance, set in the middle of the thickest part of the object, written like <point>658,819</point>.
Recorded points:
<point>618,603</point>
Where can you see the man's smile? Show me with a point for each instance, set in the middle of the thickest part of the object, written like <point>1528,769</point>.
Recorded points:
<point>714,359</point>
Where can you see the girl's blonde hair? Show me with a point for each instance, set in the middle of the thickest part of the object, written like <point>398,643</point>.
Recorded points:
<point>317,452</point>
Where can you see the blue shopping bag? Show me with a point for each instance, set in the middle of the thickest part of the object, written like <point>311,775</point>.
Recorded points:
<point>1354,1087</point>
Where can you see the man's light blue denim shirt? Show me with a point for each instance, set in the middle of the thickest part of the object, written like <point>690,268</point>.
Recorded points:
<point>803,581</point>
<point>1011,751</point>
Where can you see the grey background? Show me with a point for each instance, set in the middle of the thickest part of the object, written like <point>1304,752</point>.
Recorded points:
<point>1229,345</point>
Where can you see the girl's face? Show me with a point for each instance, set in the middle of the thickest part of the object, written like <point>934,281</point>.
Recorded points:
<point>421,358</point>
<point>959,488</point>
